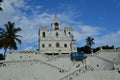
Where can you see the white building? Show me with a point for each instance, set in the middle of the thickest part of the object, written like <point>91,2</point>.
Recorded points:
<point>56,40</point>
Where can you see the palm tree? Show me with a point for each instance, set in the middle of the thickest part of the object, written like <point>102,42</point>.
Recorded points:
<point>8,37</point>
<point>0,5</point>
<point>90,41</point>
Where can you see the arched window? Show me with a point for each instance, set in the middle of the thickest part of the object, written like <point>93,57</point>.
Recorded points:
<point>43,34</point>
<point>56,26</point>
<point>43,45</point>
<point>49,45</point>
<point>69,33</point>
<point>57,44</point>
<point>57,34</point>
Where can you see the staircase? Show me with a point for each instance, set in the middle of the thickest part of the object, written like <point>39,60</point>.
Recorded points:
<point>74,73</point>
<point>29,62</point>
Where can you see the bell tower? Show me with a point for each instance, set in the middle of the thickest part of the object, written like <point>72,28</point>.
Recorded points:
<point>55,24</point>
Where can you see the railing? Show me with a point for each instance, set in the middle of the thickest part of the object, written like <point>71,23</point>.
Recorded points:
<point>108,50</point>
<point>74,73</point>
<point>53,38</point>
<point>22,63</point>
<point>111,50</point>
<point>58,56</point>
<point>98,52</point>
<point>24,51</point>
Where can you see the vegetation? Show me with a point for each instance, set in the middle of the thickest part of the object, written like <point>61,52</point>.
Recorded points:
<point>90,41</point>
<point>88,47</point>
<point>9,37</point>
<point>85,49</point>
<point>0,5</point>
<point>107,47</point>
<point>103,47</point>
<point>96,49</point>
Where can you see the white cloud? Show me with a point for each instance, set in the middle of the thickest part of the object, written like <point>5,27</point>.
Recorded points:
<point>29,48</point>
<point>109,39</point>
<point>38,7</point>
<point>89,30</point>
<point>84,31</point>
<point>7,12</point>
<point>18,3</point>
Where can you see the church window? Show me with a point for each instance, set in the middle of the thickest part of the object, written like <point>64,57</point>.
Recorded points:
<point>69,33</point>
<point>43,45</point>
<point>20,56</point>
<point>97,65</point>
<point>57,44</point>
<point>65,45</point>
<point>49,45</point>
<point>43,34</point>
<point>57,34</point>
<point>56,26</point>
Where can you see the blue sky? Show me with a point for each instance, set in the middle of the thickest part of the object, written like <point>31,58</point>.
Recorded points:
<point>97,18</point>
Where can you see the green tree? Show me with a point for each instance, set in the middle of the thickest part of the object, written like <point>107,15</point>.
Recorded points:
<point>108,47</point>
<point>85,49</point>
<point>96,49</point>
<point>8,37</point>
<point>90,41</point>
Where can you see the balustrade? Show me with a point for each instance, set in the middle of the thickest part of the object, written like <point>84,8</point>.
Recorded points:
<point>74,73</point>
<point>108,50</point>
<point>23,52</point>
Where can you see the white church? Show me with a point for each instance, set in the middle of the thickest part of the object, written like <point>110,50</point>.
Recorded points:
<point>56,40</point>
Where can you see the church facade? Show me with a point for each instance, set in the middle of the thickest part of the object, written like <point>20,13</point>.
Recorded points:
<point>56,40</point>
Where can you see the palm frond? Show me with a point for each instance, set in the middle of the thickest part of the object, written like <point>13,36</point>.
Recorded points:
<point>17,29</point>
<point>18,36</point>
<point>18,40</point>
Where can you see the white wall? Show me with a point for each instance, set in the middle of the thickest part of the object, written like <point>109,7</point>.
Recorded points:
<point>104,60</point>
<point>98,64</point>
<point>16,55</point>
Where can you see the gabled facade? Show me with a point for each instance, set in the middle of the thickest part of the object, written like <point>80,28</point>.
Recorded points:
<point>56,40</point>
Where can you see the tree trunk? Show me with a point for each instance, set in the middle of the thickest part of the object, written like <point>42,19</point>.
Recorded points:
<point>5,52</point>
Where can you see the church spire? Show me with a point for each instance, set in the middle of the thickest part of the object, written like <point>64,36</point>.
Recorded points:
<point>55,23</point>
<point>55,17</point>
